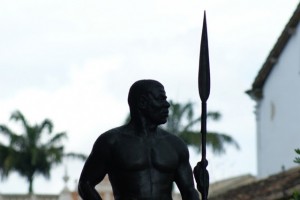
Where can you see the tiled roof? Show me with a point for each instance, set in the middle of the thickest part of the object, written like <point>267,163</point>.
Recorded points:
<point>28,197</point>
<point>277,187</point>
<point>223,186</point>
<point>256,91</point>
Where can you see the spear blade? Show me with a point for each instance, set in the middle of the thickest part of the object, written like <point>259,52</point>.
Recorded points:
<point>204,73</point>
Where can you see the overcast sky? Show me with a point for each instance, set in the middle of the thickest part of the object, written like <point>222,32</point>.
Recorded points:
<point>73,61</point>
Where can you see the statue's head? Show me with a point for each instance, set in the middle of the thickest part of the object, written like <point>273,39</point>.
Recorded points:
<point>148,97</point>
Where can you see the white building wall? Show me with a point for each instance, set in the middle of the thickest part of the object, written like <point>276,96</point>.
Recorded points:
<point>278,113</point>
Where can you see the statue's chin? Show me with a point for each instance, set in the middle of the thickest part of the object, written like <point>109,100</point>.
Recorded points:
<point>162,122</point>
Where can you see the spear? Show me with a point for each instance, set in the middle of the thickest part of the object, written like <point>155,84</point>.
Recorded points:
<point>200,171</point>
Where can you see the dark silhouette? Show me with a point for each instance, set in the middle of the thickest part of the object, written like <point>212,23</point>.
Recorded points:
<point>141,160</point>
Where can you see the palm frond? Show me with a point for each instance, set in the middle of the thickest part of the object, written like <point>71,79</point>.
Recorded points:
<point>188,110</point>
<point>56,138</point>
<point>214,115</point>
<point>192,123</point>
<point>8,160</point>
<point>181,122</point>
<point>17,115</point>
<point>297,159</point>
<point>46,124</point>
<point>73,155</point>
<point>217,142</point>
<point>6,131</point>
<point>190,138</point>
<point>55,154</point>
<point>14,139</point>
<point>4,151</point>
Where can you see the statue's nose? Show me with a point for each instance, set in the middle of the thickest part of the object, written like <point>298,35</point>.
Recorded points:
<point>167,104</point>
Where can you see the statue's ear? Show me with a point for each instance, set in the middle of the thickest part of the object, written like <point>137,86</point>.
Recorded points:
<point>143,102</point>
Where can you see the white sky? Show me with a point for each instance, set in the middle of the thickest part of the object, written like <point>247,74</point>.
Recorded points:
<point>73,61</point>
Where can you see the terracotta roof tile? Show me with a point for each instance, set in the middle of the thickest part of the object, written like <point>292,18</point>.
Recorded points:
<point>279,186</point>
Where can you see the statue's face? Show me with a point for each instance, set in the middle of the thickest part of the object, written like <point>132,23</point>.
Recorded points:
<point>157,107</point>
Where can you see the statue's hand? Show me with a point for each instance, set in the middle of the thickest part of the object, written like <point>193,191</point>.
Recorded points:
<point>202,178</point>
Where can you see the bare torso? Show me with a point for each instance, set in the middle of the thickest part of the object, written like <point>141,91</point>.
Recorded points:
<point>143,166</point>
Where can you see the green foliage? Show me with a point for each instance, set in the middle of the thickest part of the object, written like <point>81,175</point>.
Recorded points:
<point>297,159</point>
<point>30,153</point>
<point>296,196</point>
<point>182,122</point>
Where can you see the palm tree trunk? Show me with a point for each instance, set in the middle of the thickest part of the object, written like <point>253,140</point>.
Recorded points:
<point>30,180</point>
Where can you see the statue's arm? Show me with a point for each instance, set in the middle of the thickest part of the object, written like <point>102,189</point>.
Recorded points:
<point>184,178</point>
<point>94,170</point>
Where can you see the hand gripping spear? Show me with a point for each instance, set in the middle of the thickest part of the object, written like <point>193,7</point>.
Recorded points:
<point>200,171</point>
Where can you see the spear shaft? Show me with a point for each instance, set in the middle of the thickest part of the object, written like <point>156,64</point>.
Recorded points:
<point>203,130</point>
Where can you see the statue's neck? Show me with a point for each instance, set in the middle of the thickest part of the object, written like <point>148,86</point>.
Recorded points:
<point>143,127</point>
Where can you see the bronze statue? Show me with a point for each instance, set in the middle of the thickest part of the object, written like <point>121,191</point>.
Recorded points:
<point>141,160</point>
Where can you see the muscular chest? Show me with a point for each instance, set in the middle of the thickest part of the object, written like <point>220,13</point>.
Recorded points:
<point>132,153</point>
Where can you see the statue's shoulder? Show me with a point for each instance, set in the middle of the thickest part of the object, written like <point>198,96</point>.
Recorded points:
<point>173,139</point>
<point>177,143</point>
<point>111,135</point>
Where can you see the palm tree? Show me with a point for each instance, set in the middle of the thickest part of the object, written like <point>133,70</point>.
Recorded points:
<point>181,122</point>
<point>30,153</point>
